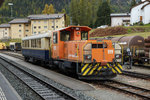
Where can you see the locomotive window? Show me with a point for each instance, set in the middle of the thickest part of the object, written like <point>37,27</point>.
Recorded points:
<point>84,35</point>
<point>99,45</point>
<point>65,35</point>
<point>55,37</point>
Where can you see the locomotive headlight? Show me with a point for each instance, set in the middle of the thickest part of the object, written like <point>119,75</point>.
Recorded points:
<point>87,57</point>
<point>118,56</point>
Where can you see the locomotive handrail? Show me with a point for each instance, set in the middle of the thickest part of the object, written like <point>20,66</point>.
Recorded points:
<point>83,49</point>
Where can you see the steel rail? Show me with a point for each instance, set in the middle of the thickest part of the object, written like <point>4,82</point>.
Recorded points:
<point>126,88</point>
<point>42,88</point>
<point>137,75</point>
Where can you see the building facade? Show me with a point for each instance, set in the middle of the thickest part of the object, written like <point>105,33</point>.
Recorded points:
<point>20,28</point>
<point>120,19</point>
<point>43,23</point>
<point>141,13</point>
<point>5,32</point>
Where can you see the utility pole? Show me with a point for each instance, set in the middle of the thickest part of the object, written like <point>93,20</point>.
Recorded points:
<point>11,4</point>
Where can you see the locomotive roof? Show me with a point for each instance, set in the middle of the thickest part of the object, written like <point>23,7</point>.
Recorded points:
<point>44,35</point>
<point>86,28</point>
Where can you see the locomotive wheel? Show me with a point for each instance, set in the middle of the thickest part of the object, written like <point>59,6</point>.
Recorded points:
<point>26,59</point>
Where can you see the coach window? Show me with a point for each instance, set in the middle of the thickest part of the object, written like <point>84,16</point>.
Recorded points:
<point>38,43</point>
<point>84,35</point>
<point>55,37</point>
<point>33,43</point>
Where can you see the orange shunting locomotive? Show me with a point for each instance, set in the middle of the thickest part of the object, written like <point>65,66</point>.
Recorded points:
<point>89,59</point>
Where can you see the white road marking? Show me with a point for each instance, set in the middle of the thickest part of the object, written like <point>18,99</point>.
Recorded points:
<point>2,95</point>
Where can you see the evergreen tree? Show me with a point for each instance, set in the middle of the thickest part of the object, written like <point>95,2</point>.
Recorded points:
<point>74,11</point>
<point>133,3</point>
<point>51,9</point>
<point>67,20</point>
<point>48,9</point>
<point>103,15</point>
<point>45,11</point>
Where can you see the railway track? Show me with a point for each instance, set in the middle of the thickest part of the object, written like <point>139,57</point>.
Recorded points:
<point>13,55</point>
<point>140,92</point>
<point>136,75</point>
<point>143,66</point>
<point>40,87</point>
<point>144,94</point>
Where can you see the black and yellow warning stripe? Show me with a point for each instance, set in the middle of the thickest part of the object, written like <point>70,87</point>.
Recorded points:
<point>89,69</point>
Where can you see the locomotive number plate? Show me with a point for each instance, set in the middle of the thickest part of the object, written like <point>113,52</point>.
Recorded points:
<point>110,51</point>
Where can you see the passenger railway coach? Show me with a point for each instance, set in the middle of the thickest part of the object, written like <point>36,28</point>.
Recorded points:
<point>71,51</point>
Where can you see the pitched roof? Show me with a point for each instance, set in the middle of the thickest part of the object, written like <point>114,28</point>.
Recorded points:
<point>140,3</point>
<point>50,16</point>
<point>19,21</point>
<point>120,15</point>
<point>145,5</point>
<point>4,25</point>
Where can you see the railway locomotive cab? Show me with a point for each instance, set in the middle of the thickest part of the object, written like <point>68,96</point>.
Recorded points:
<point>70,50</point>
<point>89,59</point>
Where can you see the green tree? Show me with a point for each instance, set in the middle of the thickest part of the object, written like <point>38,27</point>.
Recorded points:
<point>74,11</point>
<point>133,3</point>
<point>48,9</point>
<point>45,11</point>
<point>51,9</point>
<point>67,18</point>
<point>103,15</point>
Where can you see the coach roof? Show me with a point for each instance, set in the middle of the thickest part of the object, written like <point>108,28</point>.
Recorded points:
<point>44,35</point>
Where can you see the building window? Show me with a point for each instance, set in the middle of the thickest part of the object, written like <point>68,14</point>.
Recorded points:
<point>39,32</point>
<point>19,30</point>
<point>19,25</point>
<point>56,26</point>
<point>39,27</point>
<point>26,35</point>
<point>19,35</point>
<point>45,27</point>
<point>34,33</point>
<point>27,25</point>
<point>5,33</point>
<point>34,27</point>
<point>52,26</point>
<point>27,30</point>
<point>5,28</point>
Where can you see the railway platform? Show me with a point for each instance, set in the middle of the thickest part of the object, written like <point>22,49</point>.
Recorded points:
<point>7,92</point>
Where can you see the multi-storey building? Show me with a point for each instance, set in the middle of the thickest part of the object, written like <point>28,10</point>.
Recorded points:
<point>43,23</point>
<point>20,28</point>
<point>5,31</point>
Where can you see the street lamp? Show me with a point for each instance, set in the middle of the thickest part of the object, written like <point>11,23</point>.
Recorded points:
<point>11,4</point>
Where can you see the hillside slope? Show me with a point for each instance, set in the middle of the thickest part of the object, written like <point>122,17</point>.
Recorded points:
<point>23,8</point>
